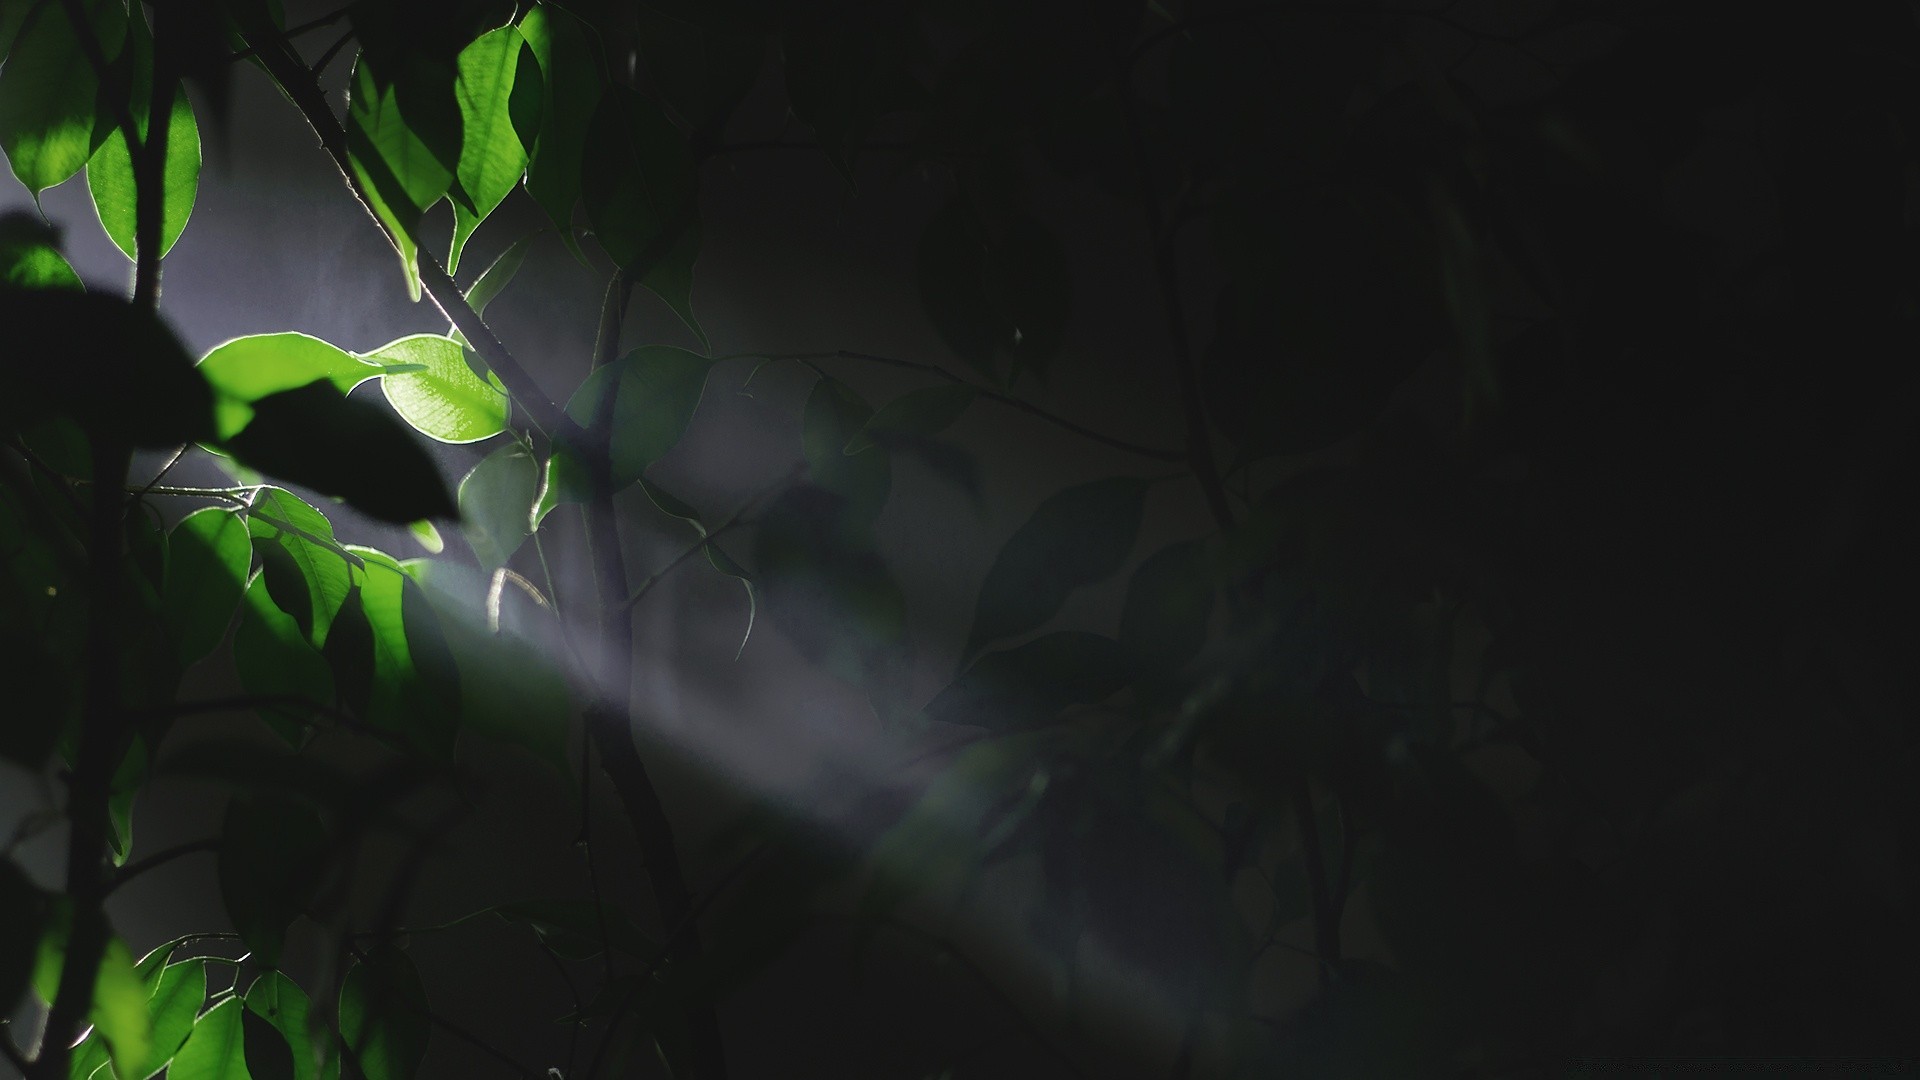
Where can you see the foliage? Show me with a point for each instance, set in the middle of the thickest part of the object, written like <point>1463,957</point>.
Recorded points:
<point>1536,604</point>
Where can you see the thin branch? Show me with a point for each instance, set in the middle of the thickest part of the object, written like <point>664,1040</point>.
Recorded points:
<point>160,858</point>
<point>737,518</point>
<point>307,27</point>
<point>164,470</point>
<point>985,392</point>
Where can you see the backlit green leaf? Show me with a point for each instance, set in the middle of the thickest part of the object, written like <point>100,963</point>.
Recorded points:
<point>48,119</point>
<point>496,503</point>
<point>247,369</point>
<point>415,689</point>
<point>497,276</point>
<point>216,1050</point>
<point>30,254</point>
<point>398,168</point>
<point>119,1009</point>
<point>173,1003</point>
<point>498,89</point>
<point>275,659</point>
<point>308,576</point>
<point>208,556</point>
<point>443,398</point>
<point>110,181</point>
<point>1075,537</point>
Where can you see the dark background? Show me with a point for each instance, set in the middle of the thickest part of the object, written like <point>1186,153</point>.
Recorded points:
<point>1686,514</point>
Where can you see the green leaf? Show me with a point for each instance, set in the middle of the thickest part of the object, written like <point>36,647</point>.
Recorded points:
<point>383,1017</point>
<point>637,181</point>
<point>306,573</point>
<point>217,1048</point>
<point>1076,537</point>
<point>110,181</point>
<point>30,254</point>
<point>567,60</point>
<point>276,999</point>
<point>1027,686</point>
<point>178,991</point>
<point>415,685</point>
<point>246,369</point>
<point>427,536</point>
<point>338,446</point>
<point>208,557</point>
<point>916,413</point>
<point>48,115</point>
<point>272,854</point>
<point>996,290</point>
<point>1169,604</point>
<point>498,89</point>
<point>443,398</point>
<point>496,503</point>
<point>21,912</point>
<point>659,387</point>
<point>274,658</point>
<point>119,1008</point>
<point>834,416</point>
<point>497,276</point>
<point>565,481</point>
<point>398,169</point>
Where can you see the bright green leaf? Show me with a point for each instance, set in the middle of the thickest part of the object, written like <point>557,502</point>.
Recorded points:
<point>497,276</point>
<point>247,369</point>
<point>119,1009</point>
<point>30,254</point>
<point>397,168</point>
<point>491,86</point>
<point>208,556</point>
<point>110,181</point>
<point>415,689</point>
<point>48,115</point>
<point>216,1050</point>
<point>309,577</point>
<point>427,536</point>
<point>496,503</point>
<point>567,58</point>
<point>1075,537</point>
<point>443,398</point>
<point>172,1004</point>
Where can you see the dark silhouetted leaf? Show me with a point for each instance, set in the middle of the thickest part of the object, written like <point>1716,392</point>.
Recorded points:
<point>208,557</point>
<point>637,184</point>
<point>1028,685</point>
<point>30,254</point>
<point>835,415</point>
<point>247,369</point>
<point>267,1052</point>
<point>275,658</point>
<point>21,911</point>
<point>352,449</point>
<point>1076,537</point>
<point>383,1018</point>
<point>916,414</point>
<point>276,999</point>
<point>568,61</point>
<point>272,853</point>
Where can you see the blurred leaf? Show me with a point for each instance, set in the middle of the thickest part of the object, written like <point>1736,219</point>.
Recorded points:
<point>443,398</point>
<point>338,446</point>
<point>217,1048</point>
<point>1027,686</point>
<point>110,181</point>
<point>48,118</point>
<point>498,89</point>
<point>276,999</point>
<point>272,853</point>
<point>1075,537</point>
<point>564,481</point>
<point>658,387</point>
<point>994,288</point>
<point>246,369</point>
<point>496,503</point>
<point>21,912</point>
<point>208,557</point>
<point>499,274</point>
<point>1169,605</point>
<point>130,379</point>
<point>427,536</point>
<point>119,1009</point>
<point>383,1018</point>
<point>30,254</point>
<point>567,59</point>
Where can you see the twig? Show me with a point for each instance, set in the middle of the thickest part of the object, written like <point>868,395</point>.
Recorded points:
<point>986,392</point>
<point>159,858</point>
<point>307,27</point>
<point>737,518</point>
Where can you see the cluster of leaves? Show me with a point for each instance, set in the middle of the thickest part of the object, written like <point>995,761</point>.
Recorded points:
<point>1310,692</point>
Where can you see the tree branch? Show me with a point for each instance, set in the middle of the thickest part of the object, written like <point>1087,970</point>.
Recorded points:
<point>986,392</point>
